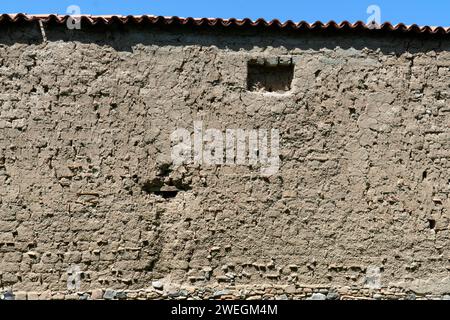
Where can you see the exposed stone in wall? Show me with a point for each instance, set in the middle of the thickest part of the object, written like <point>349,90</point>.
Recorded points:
<point>236,292</point>
<point>86,177</point>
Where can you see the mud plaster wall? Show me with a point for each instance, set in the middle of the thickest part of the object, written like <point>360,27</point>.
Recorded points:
<point>85,121</point>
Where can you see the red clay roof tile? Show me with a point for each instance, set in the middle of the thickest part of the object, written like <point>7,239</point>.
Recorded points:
<point>219,22</point>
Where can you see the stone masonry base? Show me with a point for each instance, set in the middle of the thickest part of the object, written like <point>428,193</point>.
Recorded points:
<point>256,292</point>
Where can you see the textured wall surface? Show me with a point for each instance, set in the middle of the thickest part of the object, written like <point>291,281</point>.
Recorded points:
<point>360,202</point>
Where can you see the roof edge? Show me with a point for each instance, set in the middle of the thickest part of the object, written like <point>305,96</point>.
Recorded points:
<point>231,22</point>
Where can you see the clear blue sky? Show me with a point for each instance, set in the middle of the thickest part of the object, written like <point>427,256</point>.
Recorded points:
<point>422,12</point>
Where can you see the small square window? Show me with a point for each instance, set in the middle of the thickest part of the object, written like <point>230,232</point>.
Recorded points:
<point>270,75</point>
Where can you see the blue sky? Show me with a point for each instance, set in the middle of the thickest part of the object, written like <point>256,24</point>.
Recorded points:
<point>422,12</point>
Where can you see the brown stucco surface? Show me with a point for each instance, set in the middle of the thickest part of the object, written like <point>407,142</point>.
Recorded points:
<point>363,183</point>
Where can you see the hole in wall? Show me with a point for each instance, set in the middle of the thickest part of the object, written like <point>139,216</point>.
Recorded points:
<point>165,186</point>
<point>270,75</point>
<point>167,194</point>
<point>157,187</point>
<point>424,175</point>
<point>432,224</point>
<point>164,169</point>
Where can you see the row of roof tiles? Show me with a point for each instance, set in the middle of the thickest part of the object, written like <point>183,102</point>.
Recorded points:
<point>219,22</point>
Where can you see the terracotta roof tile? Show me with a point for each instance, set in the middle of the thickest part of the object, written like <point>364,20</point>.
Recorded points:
<point>219,22</point>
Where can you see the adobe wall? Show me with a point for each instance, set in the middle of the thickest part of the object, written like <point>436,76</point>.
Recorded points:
<point>360,203</point>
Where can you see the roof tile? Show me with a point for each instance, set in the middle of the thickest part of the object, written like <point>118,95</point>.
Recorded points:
<point>232,22</point>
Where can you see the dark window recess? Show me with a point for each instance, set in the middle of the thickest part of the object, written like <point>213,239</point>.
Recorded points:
<point>270,75</point>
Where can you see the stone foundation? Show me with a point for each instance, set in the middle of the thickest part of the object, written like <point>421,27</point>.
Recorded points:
<point>256,292</point>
